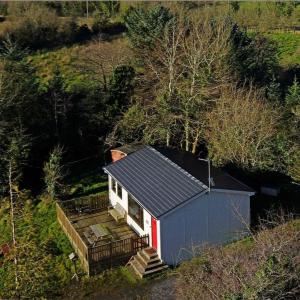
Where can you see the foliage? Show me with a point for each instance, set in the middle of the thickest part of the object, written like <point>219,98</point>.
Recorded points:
<point>53,172</point>
<point>253,58</point>
<point>185,71</point>
<point>46,65</point>
<point>173,88</point>
<point>43,264</point>
<point>285,8</point>
<point>144,27</point>
<point>264,268</point>
<point>288,47</point>
<point>11,51</point>
<point>242,129</point>
<point>292,118</point>
<point>110,282</point>
<point>41,28</point>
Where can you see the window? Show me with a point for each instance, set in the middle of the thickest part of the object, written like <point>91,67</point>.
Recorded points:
<point>113,185</point>
<point>119,190</point>
<point>135,211</point>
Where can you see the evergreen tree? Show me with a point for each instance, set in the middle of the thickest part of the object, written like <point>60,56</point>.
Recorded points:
<point>145,26</point>
<point>253,58</point>
<point>53,173</point>
<point>292,104</point>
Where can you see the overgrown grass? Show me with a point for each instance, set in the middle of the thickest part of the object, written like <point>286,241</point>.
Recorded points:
<point>264,266</point>
<point>48,235</point>
<point>288,47</point>
<point>87,178</point>
<point>47,61</point>
<point>111,283</point>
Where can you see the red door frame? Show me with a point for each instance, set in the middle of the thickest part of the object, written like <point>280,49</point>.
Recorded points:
<point>154,232</point>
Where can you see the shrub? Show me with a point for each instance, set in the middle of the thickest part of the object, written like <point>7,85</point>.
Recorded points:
<point>144,26</point>
<point>253,57</point>
<point>267,269</point>
<point>38,29</point>
<point>41,28</point>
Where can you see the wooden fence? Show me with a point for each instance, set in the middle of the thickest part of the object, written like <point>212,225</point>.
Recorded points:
<point>115,252</point>
<point>86,204</point>
<point>122,247</point>
<point>95,259</point>
<point>79,246</point>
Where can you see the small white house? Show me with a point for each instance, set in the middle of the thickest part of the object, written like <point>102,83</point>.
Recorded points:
<point>178,200</point>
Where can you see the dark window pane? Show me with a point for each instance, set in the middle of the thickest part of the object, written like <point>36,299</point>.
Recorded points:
<point>113,185</point>
<point>119,187</point>
<point>135,211</point>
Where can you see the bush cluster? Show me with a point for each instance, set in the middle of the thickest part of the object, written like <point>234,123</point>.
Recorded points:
<point>263,267</point>
<point>40,27</point>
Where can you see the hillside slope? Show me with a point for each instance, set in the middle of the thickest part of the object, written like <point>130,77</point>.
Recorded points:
<point>265,266</point>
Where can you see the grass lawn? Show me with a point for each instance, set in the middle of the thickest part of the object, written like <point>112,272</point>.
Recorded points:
<point>46,61</point>
<point>288,47</point>
<point>87,178</point>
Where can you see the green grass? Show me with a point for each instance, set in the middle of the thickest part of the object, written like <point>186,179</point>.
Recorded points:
<point>46,61</point>
<point>288,47</point>
<point>48,232</point>
<point>87,178</point>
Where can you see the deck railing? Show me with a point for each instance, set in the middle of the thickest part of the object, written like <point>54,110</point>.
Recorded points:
<point>97,257</point>
<point>124,247</point>
<point>86,204</point>
<point>79,246</point>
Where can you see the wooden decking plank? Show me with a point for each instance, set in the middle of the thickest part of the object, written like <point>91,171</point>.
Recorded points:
<point>84,221</point>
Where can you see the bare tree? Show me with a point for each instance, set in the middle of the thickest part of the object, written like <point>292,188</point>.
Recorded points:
<point>16,155</point>
<point>205,50</point>
<point>100,58</point>
<point>241,127</point>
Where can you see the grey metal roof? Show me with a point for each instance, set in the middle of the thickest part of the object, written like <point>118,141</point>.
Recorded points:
<point>157,183</point>
<point>199,169</point>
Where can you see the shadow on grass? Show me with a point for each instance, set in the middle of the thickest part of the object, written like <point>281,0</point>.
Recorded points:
<point>96,190</point>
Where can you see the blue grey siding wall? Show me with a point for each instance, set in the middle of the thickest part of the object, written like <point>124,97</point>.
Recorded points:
<point>213,218</point>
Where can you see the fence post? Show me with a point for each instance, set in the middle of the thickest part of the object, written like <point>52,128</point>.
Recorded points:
<point>110,253</point>
<point>132,245</point>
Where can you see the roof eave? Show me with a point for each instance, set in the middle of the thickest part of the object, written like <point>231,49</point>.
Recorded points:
<point>250,193</point>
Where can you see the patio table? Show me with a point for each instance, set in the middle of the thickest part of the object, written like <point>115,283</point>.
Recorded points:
<point>100,231</point>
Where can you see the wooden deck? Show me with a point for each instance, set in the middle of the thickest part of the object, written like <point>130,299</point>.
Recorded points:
<point>77,215</point>
<point>119,231</point>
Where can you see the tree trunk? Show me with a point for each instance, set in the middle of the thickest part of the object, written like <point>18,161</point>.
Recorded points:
<point>187,131</point>
<point>195,143</point>
<point>168,139</point>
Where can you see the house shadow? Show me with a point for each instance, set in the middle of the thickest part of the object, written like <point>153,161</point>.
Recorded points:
<point>276,194</point>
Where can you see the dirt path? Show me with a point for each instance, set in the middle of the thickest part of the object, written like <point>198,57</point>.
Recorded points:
<point>158,289</point>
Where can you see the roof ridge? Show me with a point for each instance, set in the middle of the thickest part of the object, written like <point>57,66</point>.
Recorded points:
<point>178,167</point>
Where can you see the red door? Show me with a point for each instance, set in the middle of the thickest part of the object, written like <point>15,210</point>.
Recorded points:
<point>154,233</point>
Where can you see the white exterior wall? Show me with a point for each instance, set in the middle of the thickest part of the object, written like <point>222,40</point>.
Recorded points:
<point>212,218</point>
<point>114,198</point>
